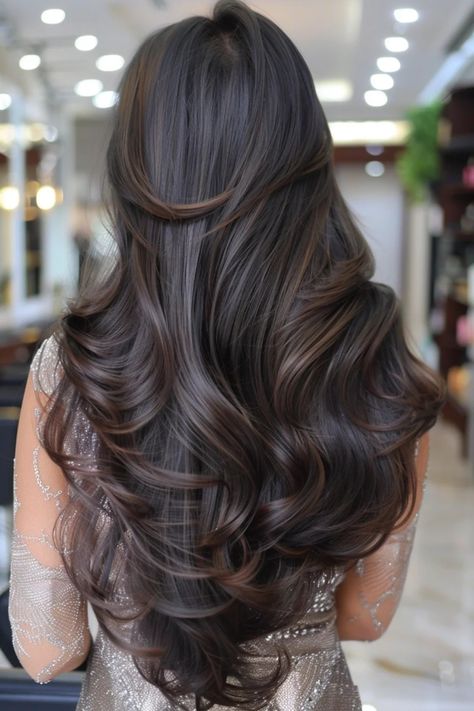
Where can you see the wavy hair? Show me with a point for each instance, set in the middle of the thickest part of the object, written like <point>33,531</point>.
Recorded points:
<point>252,393</point>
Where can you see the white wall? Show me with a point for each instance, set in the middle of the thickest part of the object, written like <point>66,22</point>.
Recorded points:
<point>378,205</point>
<point>91,140</point>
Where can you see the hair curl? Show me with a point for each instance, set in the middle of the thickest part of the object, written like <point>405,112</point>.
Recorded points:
<point>253,395</point>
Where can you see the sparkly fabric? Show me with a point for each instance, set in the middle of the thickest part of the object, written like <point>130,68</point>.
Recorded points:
<point>392,570</point>
<point>49,616</point>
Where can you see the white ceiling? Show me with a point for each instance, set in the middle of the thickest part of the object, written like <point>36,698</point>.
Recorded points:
<point>340,39</point>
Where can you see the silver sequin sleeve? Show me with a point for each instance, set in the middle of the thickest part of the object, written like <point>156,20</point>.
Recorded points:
<point>371,591</point>
<point>47,613</point>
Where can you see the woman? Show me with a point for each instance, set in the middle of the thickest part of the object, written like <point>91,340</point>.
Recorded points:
<point>222,445</point>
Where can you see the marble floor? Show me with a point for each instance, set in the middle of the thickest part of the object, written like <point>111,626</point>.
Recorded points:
<point>425,660</point>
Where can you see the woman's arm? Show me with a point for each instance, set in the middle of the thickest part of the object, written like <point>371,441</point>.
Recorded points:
<point>48,616</point>
<point>368,597</point>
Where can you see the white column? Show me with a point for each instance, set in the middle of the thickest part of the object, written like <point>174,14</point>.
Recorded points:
<point>17,225</point>
<point>416,264</point>
<point>60,258</point>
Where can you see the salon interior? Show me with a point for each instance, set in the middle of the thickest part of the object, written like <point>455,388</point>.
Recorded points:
<point>396,83</point>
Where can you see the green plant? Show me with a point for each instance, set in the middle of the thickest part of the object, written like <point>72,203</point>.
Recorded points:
<point>420,161</point>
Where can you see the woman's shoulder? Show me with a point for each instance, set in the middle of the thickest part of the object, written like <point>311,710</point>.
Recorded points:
<point>45,366</point>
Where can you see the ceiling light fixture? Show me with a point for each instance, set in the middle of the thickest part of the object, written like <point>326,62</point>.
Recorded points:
<point>46,197</point>
<point>105,100</point>
<point>374,150</point>
<point>375,168</point>
<point>29,62</point>
<point>333,90</point>
<point>9,197</point>
<point>406,15</point>
<point>375,98</point>
<point>381,81</point>
<point>362,133</point>
<point>8,133</point>
<point>51,134</point>
<point>388,64</point>
<point>5,101</point>
<point>110,62</point>
<point>88,87</point>
<point>396,44</point>
<point>85,43</point>
<point>53,16</point>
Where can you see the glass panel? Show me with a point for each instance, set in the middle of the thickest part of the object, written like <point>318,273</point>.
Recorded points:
<point>8,197</point>
<point>33,237</point>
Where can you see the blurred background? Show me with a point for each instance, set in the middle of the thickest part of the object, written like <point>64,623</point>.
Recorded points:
<point>397,85</point>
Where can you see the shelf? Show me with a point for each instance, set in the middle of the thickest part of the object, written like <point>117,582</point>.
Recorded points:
<point>453,232</point>
<point>459,144</point>
<point>446,343</point>
<point>452,345</point>
<point>455,407</point>
<point>453,197</point>
<point>464,236</point>
<point>457,189</point>
<point>457,414</point>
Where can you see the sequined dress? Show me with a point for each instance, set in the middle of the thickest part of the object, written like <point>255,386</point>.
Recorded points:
<point>49,616</point>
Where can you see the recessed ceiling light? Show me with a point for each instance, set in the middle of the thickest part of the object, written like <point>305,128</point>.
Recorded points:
<point>362,133</point>
<point>88,87</point>
<point>110,62</point>
<point>54,16</point>
<point>406,14</point>
<point>374,150</point>
<point>5,101</point>
<point>375,168</point>
<point>46,197</point>
<point>388,64</point>
<point>396,44</point>
<point>375,98</point>
<point>85,43</point>
<point>9,197</point>
<point>381,81</point>
<point>51,133</point>
<point>105,99</point>
<point>333,90</point>
<point>29,61</point>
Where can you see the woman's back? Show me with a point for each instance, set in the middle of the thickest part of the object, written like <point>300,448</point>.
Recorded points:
<point>319,678</point>
<point>217,450</point>
<point>112,681</point>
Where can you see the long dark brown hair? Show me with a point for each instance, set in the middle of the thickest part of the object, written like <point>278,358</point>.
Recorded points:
<point>252,393</point>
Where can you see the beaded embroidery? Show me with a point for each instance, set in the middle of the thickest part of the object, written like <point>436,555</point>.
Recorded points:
<point>392,570</point>
<point>47,614</point>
